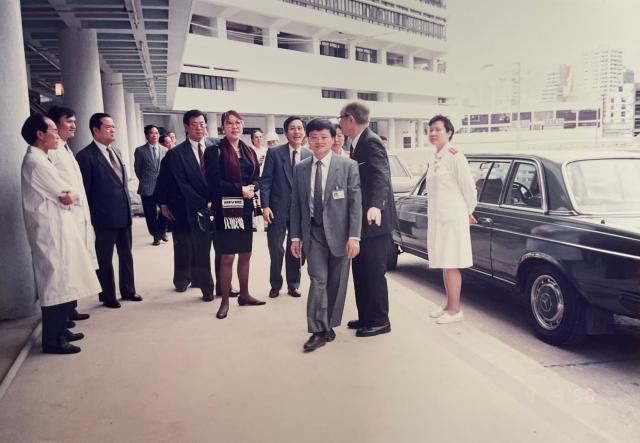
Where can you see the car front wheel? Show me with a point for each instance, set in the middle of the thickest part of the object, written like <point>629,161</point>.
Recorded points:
<point>555,307</point>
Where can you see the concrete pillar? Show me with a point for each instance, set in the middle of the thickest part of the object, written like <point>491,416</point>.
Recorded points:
<point>271,123</point>
<point>408,61</point>
<point>270,37</point>
<point>213,122</point>
<point>80,67</point>
<point>382,56</point>
<point>140,123</point>
<point>351,52</point>
<point>420,138</point>
<point>17,286</point>
<point>132,126</point>
<point>221,27</point>
<point>113,97</point>
<point>391,134</point>
<point>315,46</point>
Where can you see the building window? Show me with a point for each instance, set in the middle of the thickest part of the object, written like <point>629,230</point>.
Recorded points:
<point>240,32</point>
<point>442,100</point>
<point>334,93</point>
<point>333,49</point>
<point>499,118</point>
<point>200,81</point>
<point>566,115</point>
<point>368,96</point>
<point>394,59</point>
<point>366,55</point>
<point>479,119</point>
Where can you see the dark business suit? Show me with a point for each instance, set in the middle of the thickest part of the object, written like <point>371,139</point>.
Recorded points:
<point>370,266</point>
<point>193,190</point>
<point>111,219</point>
<point>147,167</point>
<point>275,194</point>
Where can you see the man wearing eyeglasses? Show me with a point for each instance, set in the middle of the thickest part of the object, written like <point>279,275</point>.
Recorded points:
<point>378,221</point>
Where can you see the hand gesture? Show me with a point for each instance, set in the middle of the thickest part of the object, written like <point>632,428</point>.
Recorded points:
<point>248,191</point>
<point>472,220</point>
<point>374,216</point>
<point>295,248</point>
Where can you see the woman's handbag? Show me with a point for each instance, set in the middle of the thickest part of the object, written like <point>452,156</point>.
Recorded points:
<point>206,220</point>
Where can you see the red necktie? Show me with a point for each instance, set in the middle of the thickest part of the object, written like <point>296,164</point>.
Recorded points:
<point>201,156</point>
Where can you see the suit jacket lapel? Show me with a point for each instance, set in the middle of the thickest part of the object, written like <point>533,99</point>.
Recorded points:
<point>306,177</point>
<point>287,165</point>
<point>192,164</point>
<point>331,179</point>
<point>104,162</point>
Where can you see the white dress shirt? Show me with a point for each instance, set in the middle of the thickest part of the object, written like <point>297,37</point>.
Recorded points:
<point>103,149</point>
<point>354,142</point>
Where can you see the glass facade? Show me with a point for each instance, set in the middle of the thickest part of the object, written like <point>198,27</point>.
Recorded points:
<point>368,96</point>
<point>366,55</point>
<point>334,93</point>
<point>333,49</point>
<point>200,81</point>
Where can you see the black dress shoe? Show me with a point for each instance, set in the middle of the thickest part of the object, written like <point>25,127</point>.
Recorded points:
<point>156,241</point>
<point>354,324</point>
<point>71,324</point>
<point>182,287</point>
<point>331,335</point>
<point>315,341</point>
<point>233,293</point>
<point>114,304</point>
<point>164,238</point>
<point>244,302</point>
<point>273,293</point>
<point>64,348</point>
<point>72,336</point>
<point>222,314</point>
<point>370,331</point>
<point>132,297</point>
<point>207,297</point>
<point>294,292</point>
<point>75,315</point>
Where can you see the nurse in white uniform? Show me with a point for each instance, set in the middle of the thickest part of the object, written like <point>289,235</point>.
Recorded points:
<point>451,195</point>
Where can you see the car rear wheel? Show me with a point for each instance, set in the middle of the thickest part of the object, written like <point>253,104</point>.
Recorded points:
<point>392,256</point>
<point>555,307</point>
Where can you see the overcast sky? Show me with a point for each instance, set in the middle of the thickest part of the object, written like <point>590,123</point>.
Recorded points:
<point>538,32</point>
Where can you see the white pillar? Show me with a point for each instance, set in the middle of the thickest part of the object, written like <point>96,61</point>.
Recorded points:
<point>213,122</point>
<point>420,139</point>
<point>140,123</point>
<point>315,46</point>
<point>271,123</point>
<point>17,287</point>
<point>270,37</point>
<point>113,96</point>
<point>382,56</point>
<point>132,126</point>
<point>177,126</point>
<point>408,61</point>
<point>391,134</point>
<point>80,68</point>
<point>221,27</point>
<point>351,52</point>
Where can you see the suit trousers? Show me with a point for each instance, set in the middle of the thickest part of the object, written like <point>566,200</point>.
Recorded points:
<point>106,239</point>
<point>201,268</point>
<point>275,240</point>
<point>54,323</point>
<point>329,276</point>
<point>369,281</point>
<point>156,223</point>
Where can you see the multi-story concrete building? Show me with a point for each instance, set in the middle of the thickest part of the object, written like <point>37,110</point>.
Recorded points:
<point>274,58</point>
<point>618,116</point>
<point>636,110</point>
<point>601,71</point>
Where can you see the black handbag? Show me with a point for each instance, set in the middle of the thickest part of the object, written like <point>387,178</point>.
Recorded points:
<point>206,220</point>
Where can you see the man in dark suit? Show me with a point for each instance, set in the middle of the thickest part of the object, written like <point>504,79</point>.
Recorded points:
<point>105,182</point>
<point>146,164</point>
<point>188,170</point>
<point>326,215</point>
<point>379,219</point>
<point>275,193</point>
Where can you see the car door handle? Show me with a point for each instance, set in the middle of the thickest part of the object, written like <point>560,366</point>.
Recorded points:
<point>485,219</point>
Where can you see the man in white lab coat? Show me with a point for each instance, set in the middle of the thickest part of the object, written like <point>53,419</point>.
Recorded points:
<point>62,265</point>
<point>67,166</point>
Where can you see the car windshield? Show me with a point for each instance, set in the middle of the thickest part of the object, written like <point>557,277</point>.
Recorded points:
<point>396,168</point>
<point>605,185</point>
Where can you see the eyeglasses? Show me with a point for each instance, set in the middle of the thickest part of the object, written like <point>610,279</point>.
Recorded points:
<point>343,116</point>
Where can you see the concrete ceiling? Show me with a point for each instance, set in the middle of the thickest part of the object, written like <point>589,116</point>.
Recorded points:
<point>141,39</point>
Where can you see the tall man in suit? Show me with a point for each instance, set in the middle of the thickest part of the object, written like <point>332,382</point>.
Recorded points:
<point>147,166</point>
<point>275,195</point>
<point>326,214</point>
<point>188,170</point>
<point>379,219</point>
<point>66,164</point>
<point>105,182</point>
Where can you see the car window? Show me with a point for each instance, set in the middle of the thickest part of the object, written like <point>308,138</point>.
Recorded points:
<point>422,187</point>
<point>492,187</point>
<point>479,171</point>
<point>524,189</point>
<point>395,167</point>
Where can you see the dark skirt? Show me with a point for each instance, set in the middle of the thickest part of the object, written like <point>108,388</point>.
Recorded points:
<point>234,241</point>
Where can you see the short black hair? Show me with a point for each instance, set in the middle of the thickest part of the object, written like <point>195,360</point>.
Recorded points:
<point>148,128</point>
<point>162,138</point>
<point>96,120</point>
<point>193,113</point>
<point>254,133</point>
<point>448,126</point>
<point>33,124</point>
<point>288,121</point>
<point>55,113</point>
<point>318,124</point>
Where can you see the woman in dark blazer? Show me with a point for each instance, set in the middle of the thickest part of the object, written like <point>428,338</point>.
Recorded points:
<point>233,176</point>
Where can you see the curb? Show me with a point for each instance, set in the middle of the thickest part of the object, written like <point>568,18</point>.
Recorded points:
<point>17,363</point>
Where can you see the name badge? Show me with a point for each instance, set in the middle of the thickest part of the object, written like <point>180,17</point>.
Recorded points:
<point>338,194</point>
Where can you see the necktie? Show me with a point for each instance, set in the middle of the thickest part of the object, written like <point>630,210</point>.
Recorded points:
<point>350,150</point>
<point>317,194</point>
<point>115,164</point>
<point>155,155</point>
<point>293,159</point>
<point>201,157</point>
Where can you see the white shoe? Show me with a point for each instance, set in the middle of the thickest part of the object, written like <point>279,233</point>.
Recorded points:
<point>448,318</point>
<point>437,313</point>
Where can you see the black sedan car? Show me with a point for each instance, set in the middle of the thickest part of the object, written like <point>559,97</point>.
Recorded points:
<point>561,228</point>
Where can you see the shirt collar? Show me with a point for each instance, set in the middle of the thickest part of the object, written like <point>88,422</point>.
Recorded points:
<point>291,149</point>
<point>101,146</point>
<point>326,161</point>
<point>194,144</point>
<point>355,140</point>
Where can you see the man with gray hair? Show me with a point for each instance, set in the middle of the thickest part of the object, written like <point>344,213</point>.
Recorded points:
<point>378,221</point>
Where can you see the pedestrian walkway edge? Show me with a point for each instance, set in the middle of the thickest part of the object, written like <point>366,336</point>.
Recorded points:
<point>17,363</point>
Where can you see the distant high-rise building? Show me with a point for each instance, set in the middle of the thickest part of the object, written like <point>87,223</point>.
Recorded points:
<point>601,71</point>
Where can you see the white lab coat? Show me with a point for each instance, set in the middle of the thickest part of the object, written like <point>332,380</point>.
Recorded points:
<point>67,166</point>
<point>62,264</point>
<point>451,196</point>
